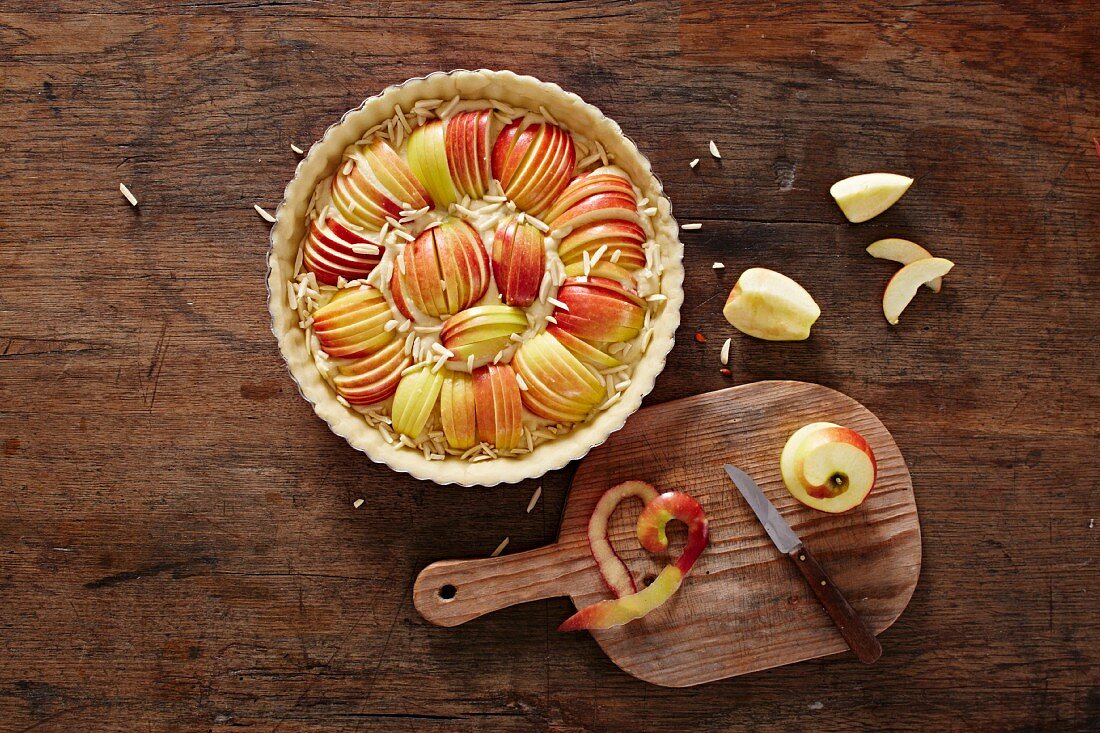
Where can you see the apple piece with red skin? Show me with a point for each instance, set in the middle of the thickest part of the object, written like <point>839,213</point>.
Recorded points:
<point>906,281</point>
<point>533,162</point>
<point>376,185</point>
<point>446,268</point>
<point>614,572</point>
<point>469,147</point>
<point>903,251</point>
<point>519,260</point>
<point>397,292</point>
<point>498,407</point>
<point>625,237</point>
<point>457,410</point>
<point>769,305</point>
<point>329,252</point>
<point>604,269</point>
<point>559,386</point>
<point>414,401</point>
<point>599,309</point>
<point>481,331</point>
<point>353,323</point>
<point>428,160</point>
<point>583,350</point>
<point>828,467</point>
<point>600,195</point>
<point>651,533</point>
<point>373,378</point>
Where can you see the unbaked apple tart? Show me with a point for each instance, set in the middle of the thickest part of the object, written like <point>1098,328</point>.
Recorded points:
<point>485,279</point>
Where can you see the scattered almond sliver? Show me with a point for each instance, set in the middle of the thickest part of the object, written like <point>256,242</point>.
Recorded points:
<point>714,150</point>
<point>534,499</point>
<point>500,547</point>
<point>725,355</point>
<point>296,149</point>
<point>263,213</point>
<point>718,266</point>
<point>694,162</point>
<point>357,503</point>
<point>691,226</point>
<point>129,196</point>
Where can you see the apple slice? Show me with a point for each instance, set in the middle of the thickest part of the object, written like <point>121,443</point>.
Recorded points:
<point>866,196</point>
<point>414,401</point>
<point>533,162</point>
<point>903,251</point>
<point>583,350</point>
<point>353,323</point>
<point>373,378</point>
<point>559,386</point>
<point>518,261</point>
<point>770,306</point>
<point>905,282</point>
<point>427,153</point>
<point>828,467</point>
<point>481,331</point>
<point>457,410</point>
<point>498,407</point>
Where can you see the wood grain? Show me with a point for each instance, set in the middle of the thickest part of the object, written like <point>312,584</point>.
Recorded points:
<point>744,607</point>
<point>152,444</point>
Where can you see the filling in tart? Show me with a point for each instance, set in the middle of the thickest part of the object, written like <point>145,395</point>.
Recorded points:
<point>476,279</point>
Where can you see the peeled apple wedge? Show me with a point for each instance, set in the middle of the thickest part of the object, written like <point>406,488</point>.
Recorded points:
<point>905,282</point>
<point>866,196</point>
<point>903,251</point>
<point>770,306</point>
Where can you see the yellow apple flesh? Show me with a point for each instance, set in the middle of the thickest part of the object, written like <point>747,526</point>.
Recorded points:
<point>866,196</point>
<point>906,281</point>
<point>770,306</point>
<point>904,252</point>
<point>414,401</point>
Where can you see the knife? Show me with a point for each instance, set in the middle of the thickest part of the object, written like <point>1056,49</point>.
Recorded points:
<point>847,621</point>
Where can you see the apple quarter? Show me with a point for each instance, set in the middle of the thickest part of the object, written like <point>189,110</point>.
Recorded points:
<point>389,291</point>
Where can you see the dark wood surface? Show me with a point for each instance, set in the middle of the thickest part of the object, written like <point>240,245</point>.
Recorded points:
<point>178,547</point>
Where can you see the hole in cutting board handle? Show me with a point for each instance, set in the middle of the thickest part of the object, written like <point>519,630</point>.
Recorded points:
<point>448,592</point>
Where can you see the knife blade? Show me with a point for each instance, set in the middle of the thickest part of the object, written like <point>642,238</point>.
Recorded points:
<point>847,621</point>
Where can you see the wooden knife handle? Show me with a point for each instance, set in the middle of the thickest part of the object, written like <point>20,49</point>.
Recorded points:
<point>452,592</point>
<point>847,621</point>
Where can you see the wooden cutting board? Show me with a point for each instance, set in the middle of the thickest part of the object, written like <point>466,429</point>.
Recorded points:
<point>744,607</point>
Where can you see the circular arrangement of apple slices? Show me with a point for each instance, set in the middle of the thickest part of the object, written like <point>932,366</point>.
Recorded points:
<point>475,281</point>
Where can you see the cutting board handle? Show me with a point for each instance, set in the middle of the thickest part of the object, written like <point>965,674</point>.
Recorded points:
<point>452,592</point>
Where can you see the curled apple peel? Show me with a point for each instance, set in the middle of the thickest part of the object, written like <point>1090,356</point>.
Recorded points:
<point>828,467</point>
<point>613,570</point>
<point>659,511</point>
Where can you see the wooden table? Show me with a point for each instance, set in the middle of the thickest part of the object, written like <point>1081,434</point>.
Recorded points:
<point>178,546</point>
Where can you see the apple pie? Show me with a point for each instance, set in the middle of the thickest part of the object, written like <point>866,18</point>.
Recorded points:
<point>475,277</point>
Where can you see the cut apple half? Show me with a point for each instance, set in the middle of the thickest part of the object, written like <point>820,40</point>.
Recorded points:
<point>866,196</point>
<point>905,282</point>
<point>769,305</point>
<point>904,252</point>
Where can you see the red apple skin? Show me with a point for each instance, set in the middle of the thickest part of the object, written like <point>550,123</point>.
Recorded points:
<point>353,323</point>
<point>533,162</point>
<point>457,410</point>
<point>497,406</point>
<point>394,174</point>
<point>519,261</point>
<point>620,611</point>
<point>374,378</point>
<point>614,572</point>
<point>599,310</point>
<point>834,435</point>
<point>328,252</point>
<point>616,234</point>
<point>659,512</point>
<point>397,292</point>
<point>597,195</point>
<point>469,151</point>
<point>446,268</point>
